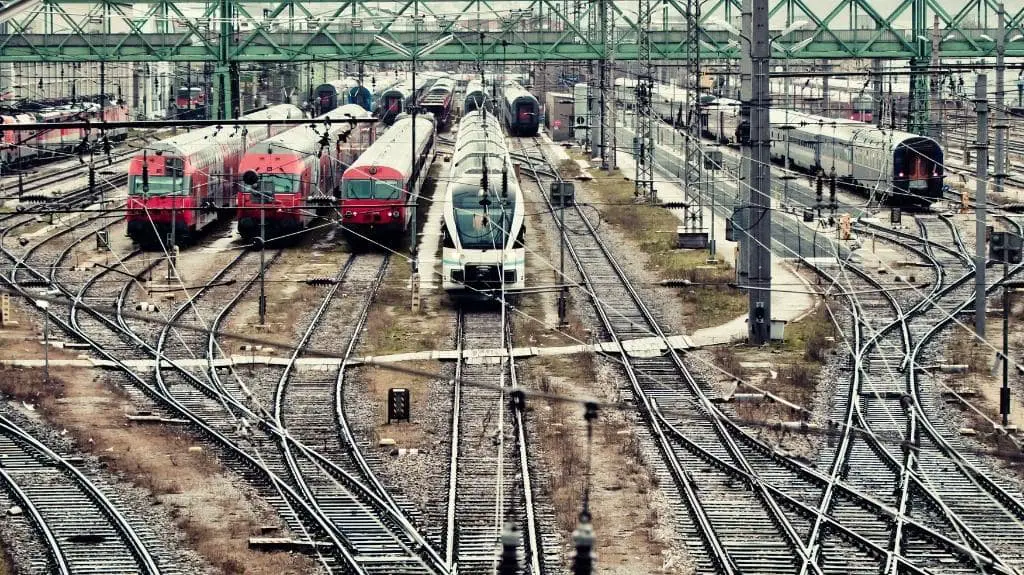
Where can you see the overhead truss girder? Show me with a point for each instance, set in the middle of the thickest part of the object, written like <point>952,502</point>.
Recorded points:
<point>308,30</point>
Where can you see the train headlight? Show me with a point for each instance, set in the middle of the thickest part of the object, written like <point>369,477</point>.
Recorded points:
<point>900,175</point>
<point>396,213</point>
<point>350,215</point>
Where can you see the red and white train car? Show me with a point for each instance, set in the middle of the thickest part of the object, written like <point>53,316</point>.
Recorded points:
<point>379,187</point>
<point>188,181</point>
<point>20,147</point>
<point>286,175</point>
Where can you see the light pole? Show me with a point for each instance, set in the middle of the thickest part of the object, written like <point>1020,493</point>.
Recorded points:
<point>252,179</point>
<point>45,306</point>
<point>412,55</point>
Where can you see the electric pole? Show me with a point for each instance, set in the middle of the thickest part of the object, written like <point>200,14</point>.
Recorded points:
<point>981,175</point>
<point>643,146</point>
<point>1000,119</point>
<point>759,216</point>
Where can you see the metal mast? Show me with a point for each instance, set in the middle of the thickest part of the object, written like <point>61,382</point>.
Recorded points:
<point>693,152</point>
<point>644,141</point>
<point>604,74</point>
<point>918,71</point>
<point>1001,122</point>
<point>758,221</point>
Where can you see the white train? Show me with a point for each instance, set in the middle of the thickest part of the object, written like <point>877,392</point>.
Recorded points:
<point>483,231</point>
<point>892,166</point>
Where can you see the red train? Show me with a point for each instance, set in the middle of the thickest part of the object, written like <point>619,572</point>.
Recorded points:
<point>287,175</point>
<point>23,147</point>
<point>378,188</point>
<point>190,98</point>
<point>188,181</point>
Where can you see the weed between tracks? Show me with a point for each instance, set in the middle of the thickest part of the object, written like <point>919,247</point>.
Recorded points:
<point>790,369</point>
<point>980,385</point>
<point>624,502</point>
<point>653,230</point>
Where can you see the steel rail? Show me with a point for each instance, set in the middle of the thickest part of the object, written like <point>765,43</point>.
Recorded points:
<point>712,540</point>
<point>533,544</point>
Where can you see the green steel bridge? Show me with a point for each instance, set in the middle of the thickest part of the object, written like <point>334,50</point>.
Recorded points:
<point>229,32</point>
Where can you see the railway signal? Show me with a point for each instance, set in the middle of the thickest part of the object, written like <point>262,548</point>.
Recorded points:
<point>1005,247</point>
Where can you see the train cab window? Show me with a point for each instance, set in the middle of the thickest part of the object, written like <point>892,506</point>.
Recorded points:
<point>271,184</point>
<point>373,189</point>
<point>482,222</point>
<point>387,190</point>
<point>359,189</point>
<point>161,186</point>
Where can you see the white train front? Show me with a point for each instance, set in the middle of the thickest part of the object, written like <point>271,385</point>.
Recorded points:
<point>483,232</point>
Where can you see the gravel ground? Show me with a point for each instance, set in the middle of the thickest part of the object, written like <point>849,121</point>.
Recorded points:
<point>420,481</point>
<point>154,523</point>
<point>610,378</point>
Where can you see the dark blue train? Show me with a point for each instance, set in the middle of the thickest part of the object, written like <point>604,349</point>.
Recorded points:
<point>521,111</point>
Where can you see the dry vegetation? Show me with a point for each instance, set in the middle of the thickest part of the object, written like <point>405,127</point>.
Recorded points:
<point>653,230</point>
<point>792,373</point>
<point>393,327</point>
<point>622,500</point>
<point>202,497</point>
<point>980,384</point>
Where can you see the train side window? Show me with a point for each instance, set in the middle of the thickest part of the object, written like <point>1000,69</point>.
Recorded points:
<point>520,237</point>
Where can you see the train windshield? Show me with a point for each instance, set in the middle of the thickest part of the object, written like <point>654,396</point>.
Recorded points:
<point>160,186</point>
<point>373,189</point>
<point>271,184</point>
<point>525,113</point>
<point>482,222</point>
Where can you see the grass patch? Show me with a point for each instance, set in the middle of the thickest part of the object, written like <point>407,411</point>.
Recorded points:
<point>653,230</point>
<point>392,326</point>
<point>814,336</point>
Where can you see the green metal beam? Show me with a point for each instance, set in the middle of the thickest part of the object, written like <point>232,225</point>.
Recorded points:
<point>230,31</point>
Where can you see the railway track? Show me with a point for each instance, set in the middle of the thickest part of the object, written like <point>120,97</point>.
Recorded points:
<point>82,528</point>
<point>490,496</point>
<point>107,335</point>
<point>751,508</point>
<point>79,521</point>
<point>304,408</point>
<point>915,470</point>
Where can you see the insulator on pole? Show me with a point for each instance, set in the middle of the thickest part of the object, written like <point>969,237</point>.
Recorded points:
<point>509,550</point>
<point>583,557</point>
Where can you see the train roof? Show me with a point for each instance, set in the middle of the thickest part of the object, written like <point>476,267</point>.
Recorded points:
<point>306,139</point>
<point>393,149</point>
<point>481,139</point>
<point>514,91</point>
<point>480,135</point>
<point>341,86</point>
<point>184,144</point>
<point>842,129</point>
